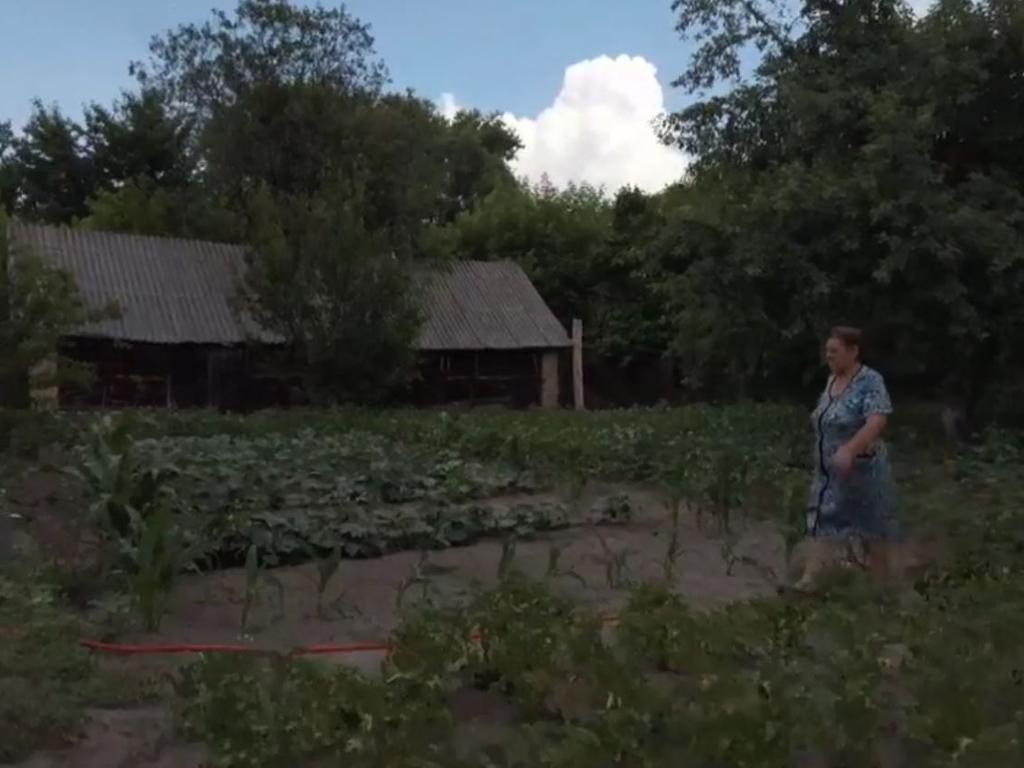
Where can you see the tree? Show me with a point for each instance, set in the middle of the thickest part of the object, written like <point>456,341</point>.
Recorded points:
<point>8,170</point>
<point>289,99</point>
<point>138,140</point>
<point>479,149</point>
<point>422,170</point>
<point>54,172</point>
<point>39,304</point>
<point>626,316</point>
<point>590,258</point>
<point>416,168</point>
<point>143,207</point>
<point>557,236</point>
<point>205,67</point>
<point>335,291</point>
<point>850,177</point>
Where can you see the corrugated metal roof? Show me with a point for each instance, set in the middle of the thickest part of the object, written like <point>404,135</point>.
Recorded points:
<point>487,305</point>
<point>172,291</point>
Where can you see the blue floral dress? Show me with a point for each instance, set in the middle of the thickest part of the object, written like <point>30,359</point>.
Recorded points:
<point>861,505</point>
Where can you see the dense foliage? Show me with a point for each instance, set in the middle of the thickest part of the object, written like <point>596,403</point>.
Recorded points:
<point>868,171</point>
<point>852,162</point>
<point>274,106</point>
<point>357,493</point>
<point>336,291</point>
<point>39,303</point>
<point>929,671</point>
<point>928,668</point>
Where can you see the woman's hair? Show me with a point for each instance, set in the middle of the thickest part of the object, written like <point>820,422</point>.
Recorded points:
<point>850,337</point>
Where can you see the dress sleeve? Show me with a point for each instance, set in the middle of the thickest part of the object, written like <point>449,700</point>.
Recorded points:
<point>876,400</point>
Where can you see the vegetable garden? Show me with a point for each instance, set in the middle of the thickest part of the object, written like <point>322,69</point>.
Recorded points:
<point>543,583</point>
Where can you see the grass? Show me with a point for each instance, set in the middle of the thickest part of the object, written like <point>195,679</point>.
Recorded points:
<point>47,679</point>
<point>937,664</point>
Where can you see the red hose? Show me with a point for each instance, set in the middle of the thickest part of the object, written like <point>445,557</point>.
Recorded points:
<point>124,649</point>
<point>154,649</point>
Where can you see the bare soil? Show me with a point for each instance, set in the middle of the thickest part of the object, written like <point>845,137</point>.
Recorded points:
<point>361,603</point>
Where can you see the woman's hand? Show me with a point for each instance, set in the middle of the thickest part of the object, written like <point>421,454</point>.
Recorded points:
<point>843,461</point>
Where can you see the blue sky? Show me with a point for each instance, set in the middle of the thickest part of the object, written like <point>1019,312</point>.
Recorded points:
<point>507,56</point>
<point>497,56</point>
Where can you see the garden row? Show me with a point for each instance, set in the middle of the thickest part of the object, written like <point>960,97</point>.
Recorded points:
<point>930,674</point>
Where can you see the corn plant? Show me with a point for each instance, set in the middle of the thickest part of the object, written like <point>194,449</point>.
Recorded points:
<point>574,485</point>
<point>121,486</point>
<point>725,485</point>
<point>326,568</point>
<point>508,556</point>
<point>161,555</point>
<point>421,574</point>
<point>134,509</point>
<point>515,454</point>
<point>256,579</point>
<point>616,562</point>
<point>674,549</point>
<point>554,569</point>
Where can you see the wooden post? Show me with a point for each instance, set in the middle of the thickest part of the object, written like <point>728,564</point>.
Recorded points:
<point>577,363</point>
<point>549,379</point>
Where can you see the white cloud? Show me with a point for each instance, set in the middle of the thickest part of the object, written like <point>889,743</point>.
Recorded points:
<point>447,106</point>
<point>598,130</point>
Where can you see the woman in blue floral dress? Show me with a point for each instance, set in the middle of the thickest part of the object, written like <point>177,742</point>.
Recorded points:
<point>852,495</point>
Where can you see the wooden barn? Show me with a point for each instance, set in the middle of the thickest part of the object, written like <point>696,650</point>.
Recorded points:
<point>180,338</point>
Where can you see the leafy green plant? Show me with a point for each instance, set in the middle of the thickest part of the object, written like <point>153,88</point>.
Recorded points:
<point>264,712</point>
<point>326,568</point>
<point>616,562</point>
<point>554,569</point>
<point>257,579</point>
<point>930,664</point>
<point>673,550</point>
<point>421,576</point>
<point>136,511</point>
<point>122,485</point>
<point>158,558</point>
<point>508,556</point>
<point>39,661</point>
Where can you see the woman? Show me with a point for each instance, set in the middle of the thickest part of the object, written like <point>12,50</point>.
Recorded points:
<point>851,500</point>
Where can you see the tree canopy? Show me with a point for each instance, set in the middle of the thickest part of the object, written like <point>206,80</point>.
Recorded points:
<point>851,162</point>
<point>867,171</point>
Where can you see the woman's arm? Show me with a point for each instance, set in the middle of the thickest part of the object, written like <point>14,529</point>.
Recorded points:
<point>866,436</point>
<point>860,442</point>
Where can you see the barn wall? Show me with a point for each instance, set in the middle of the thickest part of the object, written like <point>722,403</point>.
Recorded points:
<point>250,378</point>
<point>179,376</point>
<point>510,378</point>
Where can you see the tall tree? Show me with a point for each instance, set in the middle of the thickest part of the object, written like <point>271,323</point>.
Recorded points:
<point>421,170</point>
<point>39,304</point>
<point>202,67</point>
<point>416,169</point>
<point>289,98</point>
<point>8,169</point>
<point>844,180</point>
<point>479,149</point>
<point>138,140</point>
<point>293,138</point>
<point>626,312</point>
<point>146,208</point>
<point>54,171</point>
<point>335,291</point>
<point>558,237</point>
